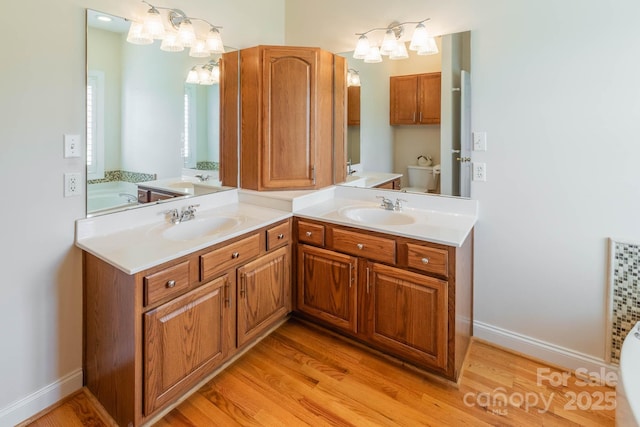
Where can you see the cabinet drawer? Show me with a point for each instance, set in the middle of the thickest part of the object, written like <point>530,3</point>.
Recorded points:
<point>427,259</point>
<point>360,244</point>
<point>232,255</point>
<point>166,283</point>
<point>277,236</point>
<point>311,233</point>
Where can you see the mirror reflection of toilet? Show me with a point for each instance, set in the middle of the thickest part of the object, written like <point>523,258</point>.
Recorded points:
<point>423,179</point>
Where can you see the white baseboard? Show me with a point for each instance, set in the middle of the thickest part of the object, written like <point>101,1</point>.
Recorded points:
<point>41,399</point>
<point>551,353</point>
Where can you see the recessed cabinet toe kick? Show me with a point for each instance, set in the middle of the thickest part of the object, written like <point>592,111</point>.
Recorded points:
<point>406,298</point>
<point>152,336</point>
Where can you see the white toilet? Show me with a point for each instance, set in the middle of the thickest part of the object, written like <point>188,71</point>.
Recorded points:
<point>422,179</point>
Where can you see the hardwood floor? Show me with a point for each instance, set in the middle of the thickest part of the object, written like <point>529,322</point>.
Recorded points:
<point>300,375</point>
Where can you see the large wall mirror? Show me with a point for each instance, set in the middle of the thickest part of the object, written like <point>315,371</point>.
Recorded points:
<point>447,144</point>
<point>145,124</point>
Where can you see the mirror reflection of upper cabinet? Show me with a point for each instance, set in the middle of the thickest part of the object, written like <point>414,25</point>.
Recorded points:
<point>353,106</point>
<point>415,99</point>
<point>289,108</point>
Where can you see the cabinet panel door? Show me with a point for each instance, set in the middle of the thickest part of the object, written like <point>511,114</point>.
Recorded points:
<point>289,101</point>
<point>353,105</point>
<point>327,286</point>
<point>183,339</point>
<point>407,314</point>
<point>403,99</point>
<point>264,295</point>
<point>429,98</point>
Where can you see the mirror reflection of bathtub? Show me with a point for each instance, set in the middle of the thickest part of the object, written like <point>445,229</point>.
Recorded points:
<point>105,196</point>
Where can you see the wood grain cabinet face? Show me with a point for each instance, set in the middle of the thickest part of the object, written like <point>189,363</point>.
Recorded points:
<point>407,314</point>
<point>264,293</point>
<point>353,105</point>
<point>326,285</point>
<point>415,99</point>
<point>181,339</point>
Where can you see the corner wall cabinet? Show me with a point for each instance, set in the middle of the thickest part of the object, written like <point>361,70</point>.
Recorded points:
<point>415,99</point>
<point>353,105</point>
<point>404,297</point>
<point>292,117</point>
<point>152,336</point>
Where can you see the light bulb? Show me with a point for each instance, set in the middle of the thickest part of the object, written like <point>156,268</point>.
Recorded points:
<point>153,23</point>
<point>419,38</point>
<point>186,33</point>
<point>362,48</point>
<point>137,34</point>
<point>192,77</point>
<point>214,41</point>
<point>389,43</point>
<point>171,43</point>
<point>373,55</point>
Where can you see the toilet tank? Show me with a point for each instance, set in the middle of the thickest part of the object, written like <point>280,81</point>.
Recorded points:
<point>422,177</point>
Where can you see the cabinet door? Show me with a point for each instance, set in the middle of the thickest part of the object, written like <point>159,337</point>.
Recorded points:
<point>353,105</point>
<point>289,117</point>
<point>407,314</point>
<point>327,286</point>
<point>429,98</point>
<point>404,100</point>
<point>183,340</point>
<point>264,294</point>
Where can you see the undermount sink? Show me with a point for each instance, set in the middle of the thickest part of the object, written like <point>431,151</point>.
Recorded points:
<point>200,227</point>
<point>376,215</point>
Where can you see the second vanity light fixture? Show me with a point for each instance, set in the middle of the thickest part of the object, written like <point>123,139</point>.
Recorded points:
<point>207,74</point>
<point>353,77</point>
<point>176,31</point>
<point>392,46</point>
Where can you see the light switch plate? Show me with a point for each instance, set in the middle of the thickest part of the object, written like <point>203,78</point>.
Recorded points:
<point>71,146</point>
<point>479,141</point>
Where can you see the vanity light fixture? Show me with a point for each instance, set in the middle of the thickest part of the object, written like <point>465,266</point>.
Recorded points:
<point>392,45</point>
<point>353,77</point>
<point>176,30</point>
<point>207,74</point>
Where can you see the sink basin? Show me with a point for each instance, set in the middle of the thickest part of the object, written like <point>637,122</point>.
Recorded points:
<point>376,215</point>
<point>200,227</point>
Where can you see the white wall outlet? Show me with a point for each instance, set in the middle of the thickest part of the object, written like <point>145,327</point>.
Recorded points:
<point>479,141</point>
<point>72,184</point>
<point>71,146</point>
<point>479,171</point>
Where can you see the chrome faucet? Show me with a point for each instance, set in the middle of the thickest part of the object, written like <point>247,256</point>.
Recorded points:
<point>387,204</point>
<point>187,213</point>
<point>349,170</point>
<point>130,197</point>
<point>203,178</point>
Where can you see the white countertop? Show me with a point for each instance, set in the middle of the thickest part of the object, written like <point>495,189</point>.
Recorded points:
<point>133,240</point>
<point>370,179</point>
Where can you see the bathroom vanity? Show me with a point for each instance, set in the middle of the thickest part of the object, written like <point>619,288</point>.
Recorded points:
<point>168,305</point>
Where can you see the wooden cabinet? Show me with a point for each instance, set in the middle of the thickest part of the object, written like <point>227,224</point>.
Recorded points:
<point>292,116</point>
<point>264,294</point>
<point>326,286</point>
<point>183,339</point>
<point>151,336</point>
<point>353,105</point>
<point>394,184</point>
<point>407,298</point>
<point>415,99</point>
<point>149,194</point>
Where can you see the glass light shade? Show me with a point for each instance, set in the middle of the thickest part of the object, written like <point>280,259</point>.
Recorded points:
<point>420,38</point>
<point>400,52</point>
<point>373,55</point>
<point>186,33</point>
<point>192,77</point>
<point>215,74</point>
<point>171,43</point>
<point>389,43</point>
<point>199,49</point>
<point>362,48</point>
<point>353,78</point>
<point>214,41</point>
<point>430,49</point>
<point>152,23</point>
<point>204,74</point>
<point>137,34</point>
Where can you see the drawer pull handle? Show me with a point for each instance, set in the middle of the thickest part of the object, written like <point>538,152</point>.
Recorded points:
<point>235,255</point>
<point>280,236</point>
<point>360,246</point>
<point>170,284</point>
<point>425,260</point>
<point>309,233</point>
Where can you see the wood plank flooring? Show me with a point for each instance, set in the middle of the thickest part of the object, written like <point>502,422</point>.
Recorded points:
<point>300,375</point>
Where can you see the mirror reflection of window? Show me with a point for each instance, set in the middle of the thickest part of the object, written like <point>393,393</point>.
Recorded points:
<point>95,128</point>
<point>189,130</point>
